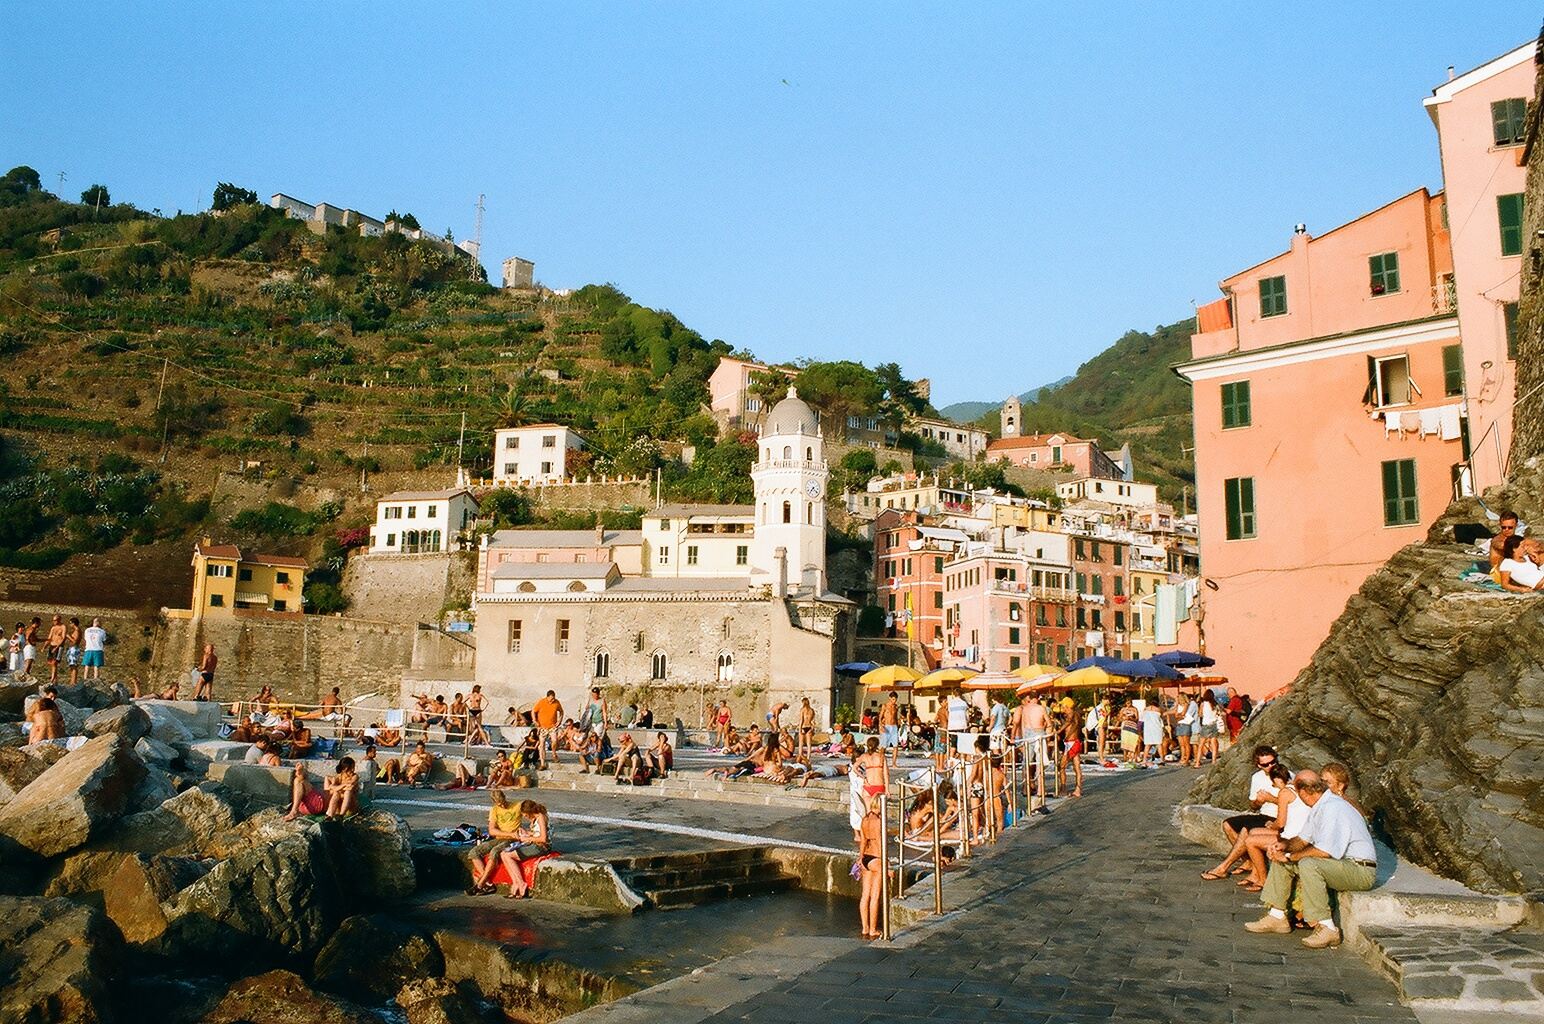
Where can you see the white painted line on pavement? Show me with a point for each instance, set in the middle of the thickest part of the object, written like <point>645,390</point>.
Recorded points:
<point>651,826</point>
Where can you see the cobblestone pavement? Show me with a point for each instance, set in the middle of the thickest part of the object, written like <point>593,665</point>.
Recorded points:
<point>1097,913</point>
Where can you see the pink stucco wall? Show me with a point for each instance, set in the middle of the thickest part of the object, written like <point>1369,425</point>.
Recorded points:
<point>1475,171</point>
<point>1312,447</point>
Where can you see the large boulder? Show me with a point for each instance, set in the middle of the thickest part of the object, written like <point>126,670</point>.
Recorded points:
<point>58,962</point>
<point>280,997</point>
<point>74,717</point>
<point>436,1001</point>
<point>18,769</point>
<point>14,694</point>
<point>153,790</point>
<point>153,751</point>
<point>83,874</point>
<point>369,959</point>
<point>198,719</point>
<point>191,822</point>
<point>126,720</point>
<point>375,850</point>
<point>74,801</point>
<point>89,695</point>
<point>166,726</point>
<point>272,903</point>
<point>135,895</point>
<point>11,734</point>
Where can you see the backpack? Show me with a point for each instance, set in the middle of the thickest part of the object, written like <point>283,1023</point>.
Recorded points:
<point>1246,706</point>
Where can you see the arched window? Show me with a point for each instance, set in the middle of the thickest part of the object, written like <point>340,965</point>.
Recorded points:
<point>602,665</point>
<point>577,585</point>
<point>787,512</point>
<point>763,513</point>
<point>809,512</point>
<point>809,455</point>
<point>787,451</point>
<point>726,667</point>
<point>434,544</point>
<point>527,587</point>
<point>660,665</point>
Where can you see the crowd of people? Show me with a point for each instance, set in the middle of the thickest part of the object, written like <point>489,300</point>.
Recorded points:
<point>79,652</point>
<point>1302,839</point>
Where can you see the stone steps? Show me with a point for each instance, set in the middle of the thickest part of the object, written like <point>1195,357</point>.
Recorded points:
<point>671,881</point>
<point>1495,971</point>
<point>694,786</point>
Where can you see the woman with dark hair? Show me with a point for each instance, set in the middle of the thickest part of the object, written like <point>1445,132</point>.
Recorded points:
<point>503,829</point>
<point>1210,720</point>
<point>343,790</point>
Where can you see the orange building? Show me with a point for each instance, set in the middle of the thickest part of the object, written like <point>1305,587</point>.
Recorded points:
<point>1328,387</point>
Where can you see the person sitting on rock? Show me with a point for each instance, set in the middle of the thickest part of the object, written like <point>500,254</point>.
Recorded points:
<point>589,751</point>
<point>342,790</point>
<point>501,772</point>
<point>246,732</point>
<point>1338,778</point>
<point>534,843</point>
<point>504,823</point>
<point>456,716</point>
<point>369,771</point>
<point>660,757</point>
<point>47,723</point>
<point>388,737</point>
<point>439,712</point>
<point>304,797</point>
<point>1506,528</point>
<point>170,693</point>
<point>270,756</point>
<point>262,702</point>
<point>331,709</point>
<point>391,771</point>
<point>415,772</point>
<point>1517,572</point>
<point>528,755</point>
<point>1334,851</point>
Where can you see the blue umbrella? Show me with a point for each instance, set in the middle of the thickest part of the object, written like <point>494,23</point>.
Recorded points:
<point>856,668</point>
<point>1128,668</point>
<point>1184,659</point>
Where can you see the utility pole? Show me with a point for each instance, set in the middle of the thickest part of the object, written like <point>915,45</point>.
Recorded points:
<point>460,446</point>
<point>165,421</point>
<point>362,486</point>
<point>61,184</point>
<point>477,237</point>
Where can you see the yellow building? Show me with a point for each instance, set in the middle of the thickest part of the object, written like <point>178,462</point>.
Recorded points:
<point>225,581</point>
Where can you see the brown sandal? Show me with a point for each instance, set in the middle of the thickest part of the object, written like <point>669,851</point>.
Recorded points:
<point>1213,875</point>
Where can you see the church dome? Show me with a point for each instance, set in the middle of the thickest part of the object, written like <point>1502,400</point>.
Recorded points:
<point>792,416</point>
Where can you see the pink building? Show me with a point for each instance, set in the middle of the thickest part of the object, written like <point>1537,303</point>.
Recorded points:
<point>1480,119</point>
<point>1054,451</point>
<point>558,547</point>
<point>729,390</point>
<point>1328,391</point>
<point>1004,609</point>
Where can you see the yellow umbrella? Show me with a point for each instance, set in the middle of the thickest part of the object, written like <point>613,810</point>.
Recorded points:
<point>889,677</point>
<point>939,678</point>
<point>1092,677</point>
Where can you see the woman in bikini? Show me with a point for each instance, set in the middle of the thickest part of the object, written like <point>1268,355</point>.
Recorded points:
<point>871,837</point>
<point>876,773</point>
<point>343,790</point>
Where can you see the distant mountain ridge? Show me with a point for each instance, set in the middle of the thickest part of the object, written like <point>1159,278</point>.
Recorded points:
<point>969,412</point>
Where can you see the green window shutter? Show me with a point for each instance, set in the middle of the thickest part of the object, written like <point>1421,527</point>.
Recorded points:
<point>1400,506</point>
<point>1246,505</point>
<point>1453,370</point>
<point>1235,518</point>
<point>1383,270</point>
<point>1273,296</point>
<point>1509,314</point>
<point>1098,584</point>
<point>1509,120</point>
<point>1509,212</point>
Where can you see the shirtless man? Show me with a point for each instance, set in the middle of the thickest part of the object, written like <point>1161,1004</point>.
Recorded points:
<point>890,727</point>
<point>331,709</point>
<point>419,764</point>
<point>806,728</point>
<point>941,734</point>
<point>1072,748</point>
<point>775,718</point>
<point>1032,725</point>
<point>55,648</point>
<point>1507,527</point>
<point>47,722</point>
<point>206,667</point>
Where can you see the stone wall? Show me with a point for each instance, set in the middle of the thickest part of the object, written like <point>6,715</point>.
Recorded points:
<point>127,633</point>
<point>301,659</point>
<point>1432,691</point>
<point>401,588</point>
<point>590,495</point>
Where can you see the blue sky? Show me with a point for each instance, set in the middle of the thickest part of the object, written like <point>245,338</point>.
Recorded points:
<point>987,194</point>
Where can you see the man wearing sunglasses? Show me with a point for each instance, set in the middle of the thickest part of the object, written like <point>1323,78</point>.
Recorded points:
<point>1262,791</point>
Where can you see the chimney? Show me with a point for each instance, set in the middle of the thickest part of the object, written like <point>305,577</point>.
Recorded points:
<point>780,585</point>
<point>600,531</point>
<point>1450,72</point>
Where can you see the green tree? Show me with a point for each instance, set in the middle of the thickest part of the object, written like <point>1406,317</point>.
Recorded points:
<point>407,220</point>
<point>18,185</point>
<point>96,196</point>
<point>227,195</point>
<point>839,390</point>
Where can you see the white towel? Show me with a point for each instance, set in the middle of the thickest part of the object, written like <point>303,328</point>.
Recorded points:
<point>1452,428</point>
<point>1431,421</point>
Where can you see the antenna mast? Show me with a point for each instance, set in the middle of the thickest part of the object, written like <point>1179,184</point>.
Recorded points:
<point>477,235</point>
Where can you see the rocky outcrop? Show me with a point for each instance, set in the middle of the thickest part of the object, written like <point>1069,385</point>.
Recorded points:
<point>1432,691</point>
<point>378,851</point>
<point>134,896</point>
<point>280,997</point>
<point>126,720</point>
<point>436,1001</point>
<point>75,800</point>
<point>18,769</point>
<point>190,822</point>
<point>369,959</point>
<point>58,962</point>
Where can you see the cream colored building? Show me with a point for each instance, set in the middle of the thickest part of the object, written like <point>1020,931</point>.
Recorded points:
<point>1114,492</point>
<point>536,454</point>
<point>421,522</point>
<point>724,600</point>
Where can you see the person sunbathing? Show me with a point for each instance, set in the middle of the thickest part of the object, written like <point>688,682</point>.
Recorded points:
<point>388,737</point>
<point>824,771</point>
<point>416,769</point>
<point>754,760</point>
<point>466,778</point>
<point>660,756</point>
<point>305,798</point>
<point>628,759</point>
<point>47,722</point>
<point>1517,572</point>
<point>342,790</point>
<point>501,772</point>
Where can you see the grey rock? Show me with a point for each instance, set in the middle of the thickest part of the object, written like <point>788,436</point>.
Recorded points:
<point>89,696</point>
<point>166,725</point>
<point>126,720</point>
<point>281,997</point>
<point>59,962</point>
<point>377,849</point>
<point>17,770</point>
<point>13,695</point>
<point>436,1001</point>
<point>189,822</point>
<point>369,959</point>
<point>75,800</point>
<point>134,895</point>
<point>154,789</point>
<point>153,751</point>
<point>11,734</point>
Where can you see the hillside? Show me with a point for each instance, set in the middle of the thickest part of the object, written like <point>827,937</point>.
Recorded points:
<point>969,412</point>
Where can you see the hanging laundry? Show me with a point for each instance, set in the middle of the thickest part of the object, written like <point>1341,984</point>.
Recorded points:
<point>1409,423</point>
<point>1431,421</point>
<point>1166,598</point>
<point>1451,421</point>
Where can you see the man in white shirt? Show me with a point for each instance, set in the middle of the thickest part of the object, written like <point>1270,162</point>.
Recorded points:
<point>1333,851</point>
<point>95,644</point>
<point>1262,797</point>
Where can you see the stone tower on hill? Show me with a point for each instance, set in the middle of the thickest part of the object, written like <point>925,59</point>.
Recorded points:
<point>1013,417</point>
<point>790,479</point>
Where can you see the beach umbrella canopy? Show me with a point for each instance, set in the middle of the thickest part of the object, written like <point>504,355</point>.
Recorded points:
<point>889,677</point>
<point>942,677</point>
<point>1184,659</point>
<point>856,668</point>
<point>1129,668</point>
<point>992,681</point>
<point>1034,672</point>
<point>1088,677</point>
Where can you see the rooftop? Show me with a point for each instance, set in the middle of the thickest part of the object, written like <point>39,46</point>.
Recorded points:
<point>426,495</point>
<point>554,570</point>
<point>1034,441</point>
<point>686,511</point>
<point>562,538</point>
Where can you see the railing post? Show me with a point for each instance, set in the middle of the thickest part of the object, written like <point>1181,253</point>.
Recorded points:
<point>964,791</point>
<point>938,856</point>
<point>884,869</point>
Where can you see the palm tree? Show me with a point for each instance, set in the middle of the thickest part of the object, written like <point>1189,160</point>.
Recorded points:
<point>514,410</point>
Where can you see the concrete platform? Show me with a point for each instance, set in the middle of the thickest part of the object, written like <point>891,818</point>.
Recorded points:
<point>1463,969</point>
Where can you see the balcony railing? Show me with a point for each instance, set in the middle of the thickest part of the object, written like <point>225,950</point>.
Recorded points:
<point>1060,595</point>
<point>1444,296</point>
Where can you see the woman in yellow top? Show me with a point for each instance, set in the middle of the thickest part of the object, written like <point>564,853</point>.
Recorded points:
<point>503,829</point>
